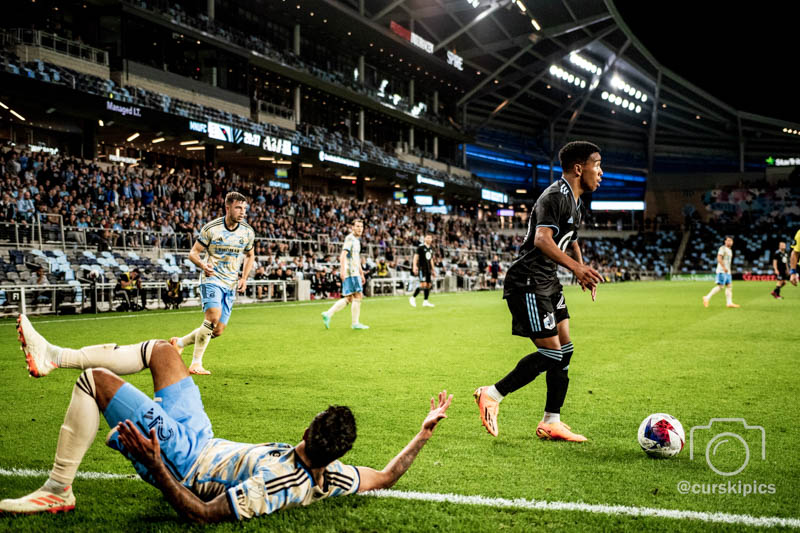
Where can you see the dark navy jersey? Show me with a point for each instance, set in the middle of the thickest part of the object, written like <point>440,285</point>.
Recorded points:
<point>425,257</point>
<point>782,257</point>
<point>532,270</point>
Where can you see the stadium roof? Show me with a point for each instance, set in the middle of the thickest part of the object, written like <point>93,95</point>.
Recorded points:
<point>561,69</point>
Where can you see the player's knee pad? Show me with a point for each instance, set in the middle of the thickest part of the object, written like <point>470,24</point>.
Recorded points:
<point>85,382</point>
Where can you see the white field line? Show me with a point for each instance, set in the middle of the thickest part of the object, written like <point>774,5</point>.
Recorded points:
<point>197,311</point>
<point>518,503</point>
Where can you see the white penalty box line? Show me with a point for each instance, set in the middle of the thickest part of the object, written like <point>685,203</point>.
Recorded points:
<point>517,503</point>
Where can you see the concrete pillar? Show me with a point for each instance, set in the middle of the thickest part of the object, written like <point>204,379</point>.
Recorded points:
<point>361,72</point>
<point>361,7</point>
<point>436,102</point>
<point>210,9</point>
<point>211,154</point>
<point>360,192</point>
<point>214,81</point>
<point>297,105</point>
<point>294,175</point>
<point>361,120</point>
<point>297,39</point>
<point>411,139</point>
<point>436,147</point>
<point>411,92</point>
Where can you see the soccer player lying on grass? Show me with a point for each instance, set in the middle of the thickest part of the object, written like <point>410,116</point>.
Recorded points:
<point>170,442</point>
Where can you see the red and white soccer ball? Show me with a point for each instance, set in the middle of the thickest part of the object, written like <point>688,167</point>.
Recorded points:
<point>661,435</point>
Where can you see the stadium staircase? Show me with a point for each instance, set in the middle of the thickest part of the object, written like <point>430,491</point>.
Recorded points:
<point>676,265</point>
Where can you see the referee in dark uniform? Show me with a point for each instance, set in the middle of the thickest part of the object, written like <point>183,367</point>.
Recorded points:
<point>422,266</point>
<point>534,295</point>
<point>780,264</point>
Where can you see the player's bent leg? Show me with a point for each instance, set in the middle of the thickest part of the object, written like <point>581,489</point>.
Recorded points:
<point>92,392</point>
<point>40,355</point>
<point>166,366</point>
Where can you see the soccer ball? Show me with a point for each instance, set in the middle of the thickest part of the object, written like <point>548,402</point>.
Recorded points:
<point>661,435</point>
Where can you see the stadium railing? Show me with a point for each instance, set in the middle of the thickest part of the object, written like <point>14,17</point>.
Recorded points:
<point>85,296</point>
<point>58,44</point>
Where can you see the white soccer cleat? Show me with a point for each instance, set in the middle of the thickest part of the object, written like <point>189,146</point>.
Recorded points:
<point>412,301</point>
<point>36,349</point>
<point>426,303</point>
<point>40,501</point>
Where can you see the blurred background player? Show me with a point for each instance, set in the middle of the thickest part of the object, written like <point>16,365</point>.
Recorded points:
<point>794,276</point>
<point>422,266</point>
<point>724,259</point>
<point>171,444</point>
<point>780,265</point>
<point>173,296</point>
<point>224,241</point>
<point>494,272</point>
<point>534,294</point>
<point>352,278</point>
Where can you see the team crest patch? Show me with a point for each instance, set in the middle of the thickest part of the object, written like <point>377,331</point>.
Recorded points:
<point>549,321</point>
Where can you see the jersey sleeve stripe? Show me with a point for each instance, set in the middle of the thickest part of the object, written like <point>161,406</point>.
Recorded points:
<point>549,226</point>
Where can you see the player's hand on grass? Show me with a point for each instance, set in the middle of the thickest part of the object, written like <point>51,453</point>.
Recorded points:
<point>146,451</point>
<point>208,270</point>
<point>437,412</point>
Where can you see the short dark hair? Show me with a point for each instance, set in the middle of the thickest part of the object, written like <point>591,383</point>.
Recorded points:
<point>234,196</point>
<point>575,152</point>
<point>356,221</point>
<point>330,435</point>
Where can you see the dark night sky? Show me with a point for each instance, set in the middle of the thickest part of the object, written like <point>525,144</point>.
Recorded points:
<point>745,54</point>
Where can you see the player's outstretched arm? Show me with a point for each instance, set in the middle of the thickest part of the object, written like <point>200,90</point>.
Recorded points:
<point>372,479</point>
<point>148,452</point>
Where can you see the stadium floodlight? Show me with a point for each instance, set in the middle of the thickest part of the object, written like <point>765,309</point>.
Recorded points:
<point>572,79</point>
<point>306,165</point>
<point>535,25</point>
<point>133,137</point>
<point>604,95</point>
<point>474,3</point>
<point>158,140</point>
<point>4,106</point>
<point>188,143</point>
<point>17,115</point>
<point>195,148</point>
<point>623,86</point>
<point>266,158</point>
<point>100,122</point>
<point>638,109</point>
<point>220,146</point>
<point>577,59</point>
<point>521,6</point>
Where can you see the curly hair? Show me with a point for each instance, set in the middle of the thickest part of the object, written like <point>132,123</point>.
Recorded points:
<point>576,152</point>
<point>330,435</point>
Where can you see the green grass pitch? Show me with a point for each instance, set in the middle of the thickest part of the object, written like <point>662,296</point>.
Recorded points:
<point>640,348</point>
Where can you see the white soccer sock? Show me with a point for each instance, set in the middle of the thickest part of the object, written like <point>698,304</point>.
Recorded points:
<point>122,360</point>
<point>729,295</point>
<point>494,394</point>
<point>77,432</point>
<point>201,341</point>
<point>188,339</point>
<point>550,418</point>
<point>355,310</point>
<point>713,291</point>
<point>337,306</point>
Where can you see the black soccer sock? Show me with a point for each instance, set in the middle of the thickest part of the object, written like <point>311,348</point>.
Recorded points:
<point>416,292</point>
<point>778,290</point>
<point>558,381</point>
<point>527,369</point>
<point>426,292</point>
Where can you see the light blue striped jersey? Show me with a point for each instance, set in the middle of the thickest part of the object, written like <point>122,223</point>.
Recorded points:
<point>263,478</point>
<point>224,250</point>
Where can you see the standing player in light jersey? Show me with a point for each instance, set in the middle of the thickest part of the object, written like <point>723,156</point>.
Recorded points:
<point>534,294</point>
<point>224,241</point>
<point>172,446</point>
<point>352,278</point>
<point>724,258</point>
<point>794,276</point>
<point>422,266</point>
<point>780,265</point>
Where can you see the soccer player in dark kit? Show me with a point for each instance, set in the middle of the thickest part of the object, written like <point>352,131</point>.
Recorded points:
<point>423,267</point>
<point>534,295</point>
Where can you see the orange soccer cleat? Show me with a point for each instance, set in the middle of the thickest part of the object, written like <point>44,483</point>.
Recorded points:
<point>733,305</point>
<point>37,350</point>
<point>40,501</point>
<point>705,301</point>
<point>488,408</point>
<point>558,431</point>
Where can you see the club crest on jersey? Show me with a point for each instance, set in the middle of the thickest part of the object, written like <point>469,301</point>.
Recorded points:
<point>549,321</point>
